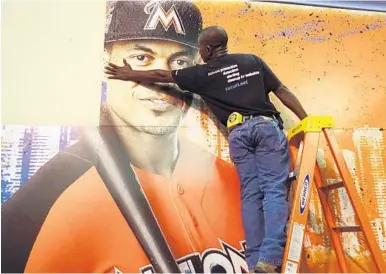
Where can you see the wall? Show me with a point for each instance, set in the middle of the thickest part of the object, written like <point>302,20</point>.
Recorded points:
<point>331,59</point>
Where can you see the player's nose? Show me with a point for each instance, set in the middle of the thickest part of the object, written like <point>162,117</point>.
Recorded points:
<point>161,63</point>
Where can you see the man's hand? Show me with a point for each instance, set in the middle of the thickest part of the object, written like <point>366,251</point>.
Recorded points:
<point>126,73</point>
<point>119,73</point>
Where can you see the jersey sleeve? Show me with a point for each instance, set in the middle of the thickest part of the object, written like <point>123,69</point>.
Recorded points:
<point>271,81</point>
<point>187,78</point>
<point>23,215</point>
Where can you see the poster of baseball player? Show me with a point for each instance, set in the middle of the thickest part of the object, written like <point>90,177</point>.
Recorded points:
<point>77,227</point>
<point>60,213</point>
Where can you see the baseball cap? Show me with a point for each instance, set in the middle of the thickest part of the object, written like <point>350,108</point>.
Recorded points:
<point>177,21</point>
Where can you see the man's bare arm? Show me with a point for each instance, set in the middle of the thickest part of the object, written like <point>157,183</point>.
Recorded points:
<point>126,73</point>
<point>290,101</point>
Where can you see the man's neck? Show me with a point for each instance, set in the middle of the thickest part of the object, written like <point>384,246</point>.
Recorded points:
<point>154,153</point>
<point>219,52</point>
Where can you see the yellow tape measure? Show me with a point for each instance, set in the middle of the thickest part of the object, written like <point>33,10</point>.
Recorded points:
<point>234,119</point>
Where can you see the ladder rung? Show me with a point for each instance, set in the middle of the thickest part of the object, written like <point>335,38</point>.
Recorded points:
<point>353,228</point>
<point>333,186</point>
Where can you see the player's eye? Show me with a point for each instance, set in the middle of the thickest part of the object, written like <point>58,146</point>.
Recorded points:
<point>141,57</point>
<point>180,63</point>
<point>140,60</point>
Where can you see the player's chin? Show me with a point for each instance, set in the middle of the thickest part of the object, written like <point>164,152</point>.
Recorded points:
<point>163,124</point>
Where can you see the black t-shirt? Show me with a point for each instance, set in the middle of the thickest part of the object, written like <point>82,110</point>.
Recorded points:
<point>234,82</point>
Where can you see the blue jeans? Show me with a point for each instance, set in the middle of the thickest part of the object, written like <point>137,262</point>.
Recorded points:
<point>259,150</point>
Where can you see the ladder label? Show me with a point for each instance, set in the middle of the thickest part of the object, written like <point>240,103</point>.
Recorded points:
<point>304,194</point>
<point>296,243</point>
<point>291,267</point>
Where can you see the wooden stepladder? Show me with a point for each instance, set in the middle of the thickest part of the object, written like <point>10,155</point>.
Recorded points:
<point>308,131</point>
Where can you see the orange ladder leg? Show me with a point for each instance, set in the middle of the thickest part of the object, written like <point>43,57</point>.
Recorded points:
<point>364,222</point>
<point>300,208</point>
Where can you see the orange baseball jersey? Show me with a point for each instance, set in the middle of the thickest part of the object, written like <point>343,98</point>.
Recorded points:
<point>64,219</point>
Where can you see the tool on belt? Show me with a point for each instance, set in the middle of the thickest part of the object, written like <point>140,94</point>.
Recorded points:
<point>236,119</point>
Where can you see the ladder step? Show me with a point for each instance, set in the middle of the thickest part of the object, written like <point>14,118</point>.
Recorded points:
<point>333,186</point>
<point>353,228</point>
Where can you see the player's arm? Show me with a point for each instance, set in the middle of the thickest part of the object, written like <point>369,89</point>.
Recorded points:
<point>126,73</point>
<point>290,101</point>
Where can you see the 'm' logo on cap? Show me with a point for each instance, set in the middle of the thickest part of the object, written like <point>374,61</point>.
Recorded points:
<point>158,15</point>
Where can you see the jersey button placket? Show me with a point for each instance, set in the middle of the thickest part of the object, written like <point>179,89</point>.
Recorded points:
<point>194,220</point>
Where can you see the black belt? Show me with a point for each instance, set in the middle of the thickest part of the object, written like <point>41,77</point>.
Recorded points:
<point>249,117</point>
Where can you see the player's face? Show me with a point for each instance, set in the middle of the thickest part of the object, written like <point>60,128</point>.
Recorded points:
<point>149,108</point>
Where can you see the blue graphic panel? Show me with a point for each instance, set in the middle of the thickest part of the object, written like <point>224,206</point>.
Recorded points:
<point>26,148</point>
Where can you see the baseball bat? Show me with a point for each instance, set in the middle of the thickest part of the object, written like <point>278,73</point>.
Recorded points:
<point>113,166</point>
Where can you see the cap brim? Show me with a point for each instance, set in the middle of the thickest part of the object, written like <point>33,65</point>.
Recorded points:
<point>131,38</point>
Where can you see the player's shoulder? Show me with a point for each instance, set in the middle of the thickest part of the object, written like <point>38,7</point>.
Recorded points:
<point>198,156</point>
<point>25,212</point>
<point>219,168</point>
<point>69,163</point>
<point>57,174</point>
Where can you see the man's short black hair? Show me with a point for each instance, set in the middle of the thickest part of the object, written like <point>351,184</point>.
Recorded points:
<point>214,36</point>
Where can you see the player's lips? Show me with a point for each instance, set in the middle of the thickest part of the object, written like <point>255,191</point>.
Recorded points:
<point>157,100</point>
<point>161,103</point>
<point>163,98</point>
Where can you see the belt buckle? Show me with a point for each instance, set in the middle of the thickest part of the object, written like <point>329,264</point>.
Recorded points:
<point>268,118</point>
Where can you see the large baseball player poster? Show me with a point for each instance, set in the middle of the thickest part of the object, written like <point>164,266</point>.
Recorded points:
<point>59,216</point>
